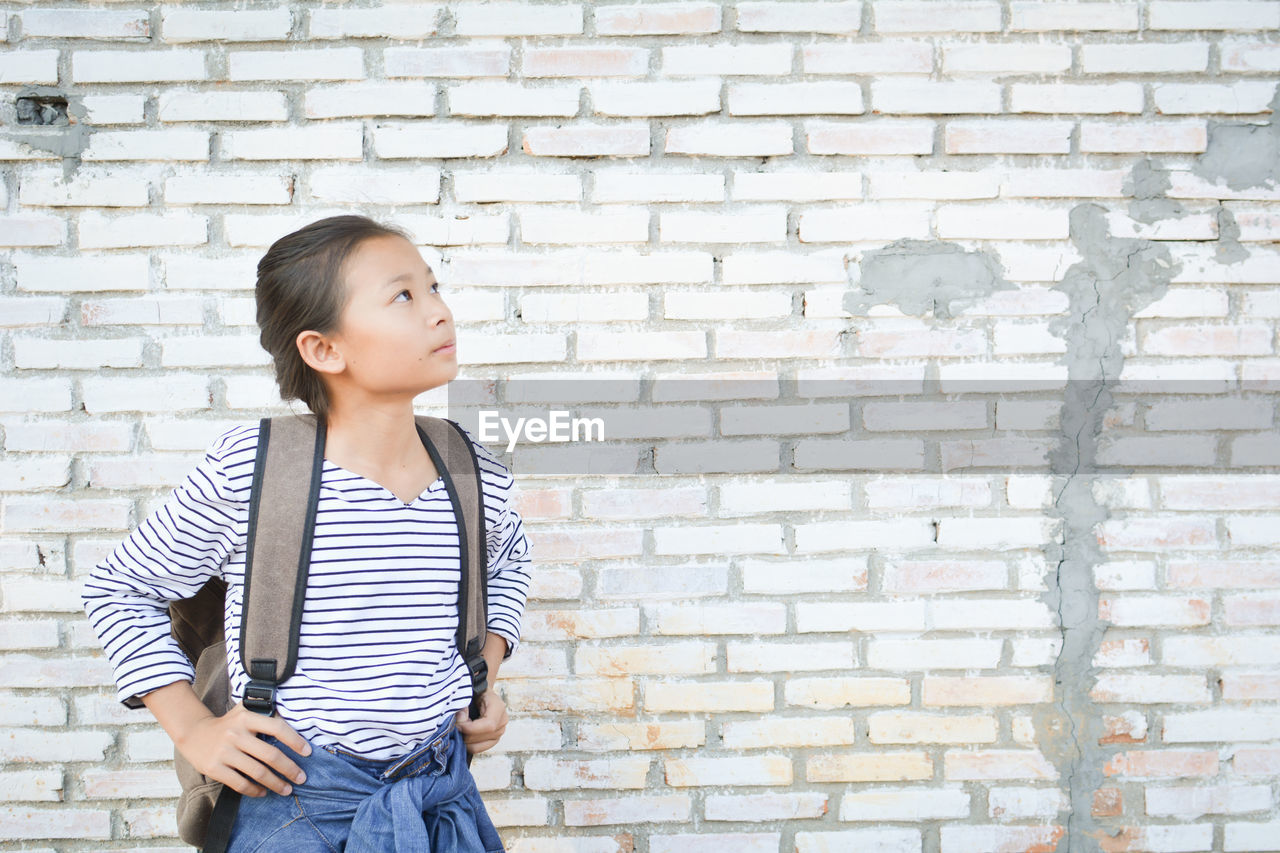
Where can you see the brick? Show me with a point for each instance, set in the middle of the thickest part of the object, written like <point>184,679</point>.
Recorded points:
<point>546,774</point>
<point>631,810</point>
<point>1253,609</point>
<point>870,58</point>
<point>1137,136</point>
<point>123,24</point>
<point>517,19</point>
<point>788,732</point>
<point>29,66</point>
<point>180,105</point>
<point>747,139</point>
<point>757,656</point>
<point>89,188</point>
<point>1000,839</point>
<point>773,17</point>
<point>553,625</point>
<point>663,582</point>
<point>878,766</point>
<point>684,98</point>
<point>974,614</point>
<point>76,354</point>
<point>707,771</point>
<point>583,140</point>
<point>708,696</point>
<point>625,737</point>
<point>1216,15</point>
<point>830,693</point>
<point>457,230</point>
<point>739,842</point>
<point>910,727</point>
<point>912,16</point>
<point>1077,16</point>
<point>1150,689</point>
<point>1022,803</point>
<point>22,822</point>
<point>751,99</point>
<point>708,306</point>
<point>657,19</point>
<point>32,231</point>
<point>796,186</point>
<point>29,475</point>
<point>31,311</point>
<point>184,272</point>
<point>472,61</point>
<point>339,141</point>
<point>147,145</point>
<point>585,62</point>
<point>1220,725</point>
<point>589,844</point>
<point>1182,57</point>
<point>763,578</point>
<point>1235,99</point>
<point>213,351</point>
<point>763,226</point>
<point>944,575</point>
<point>409,21</point>
<point>691,658</point>
<point>755,808</point>
<point>113,109</point>
<point>989,59</point>
<point>27,634</point>
<point>1162,764</point>
<point>1187,803</point>
<point>1016,221</point>
<point>865,222</point>
<point>904,804</point>
<point>881,136</point>
<point>515,186</point>
<point>31,709</point>
<point>28,515</point>
<point>1120,653</point>
<point>622,187</point>
<point>881,840</point>
<point>727,60</point>
<point>580,695</point>
<point>507,99</point>
<point>192,25</point>
<point>127,394</point>
<point>31,786</point>
<point>1248,57</point>
<point>137,66</point>
<point>328,63</point>
<point>43,745</point>
<point>54,436</point>
<point>573,227</point>
<point>1075,98</point>
<point>997,764</point>
<point>352,100</point>
<point>752,618</point>
<point>1137,611</point>
<point>1008,136</point>
<point>130,784</point>
<point>1255,761</point>
<point>142,229</point>
<point>229,188</point>
<point>375,186</point>
<point>860,616</point>
<point>986,690</point>
<point>415,142</point>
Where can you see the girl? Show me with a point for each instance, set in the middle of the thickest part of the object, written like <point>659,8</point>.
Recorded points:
<point>376,709</point>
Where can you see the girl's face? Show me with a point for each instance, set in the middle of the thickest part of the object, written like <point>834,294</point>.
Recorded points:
<point>395,335</point>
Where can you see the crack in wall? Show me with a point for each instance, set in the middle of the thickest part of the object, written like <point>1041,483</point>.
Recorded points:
<point>1116,278</point>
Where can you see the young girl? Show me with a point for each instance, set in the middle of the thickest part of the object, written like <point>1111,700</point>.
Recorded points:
<point>373,722</point>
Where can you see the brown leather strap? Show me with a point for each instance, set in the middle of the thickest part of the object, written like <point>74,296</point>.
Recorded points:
<point>282,509</point>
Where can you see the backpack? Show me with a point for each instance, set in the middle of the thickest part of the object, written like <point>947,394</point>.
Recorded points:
<point>281,524</point>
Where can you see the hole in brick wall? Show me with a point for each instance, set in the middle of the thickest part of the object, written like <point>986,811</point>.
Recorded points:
<point>41,109</point>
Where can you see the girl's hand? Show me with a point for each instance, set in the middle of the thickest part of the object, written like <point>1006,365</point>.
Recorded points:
<point>228,749</point>
<point>485,731</point>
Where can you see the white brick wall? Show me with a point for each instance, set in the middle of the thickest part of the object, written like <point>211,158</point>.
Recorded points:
<point>771,648</point>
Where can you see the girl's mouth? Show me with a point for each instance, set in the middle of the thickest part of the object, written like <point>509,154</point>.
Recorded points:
<point>449,347</point>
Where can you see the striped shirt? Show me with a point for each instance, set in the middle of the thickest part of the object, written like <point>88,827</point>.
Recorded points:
<point>378,667</point>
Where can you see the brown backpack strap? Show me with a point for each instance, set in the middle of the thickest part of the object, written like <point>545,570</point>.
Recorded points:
<point>455,459</point>
<point>282,515</point>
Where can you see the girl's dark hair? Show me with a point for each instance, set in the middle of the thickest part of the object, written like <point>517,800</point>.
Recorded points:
<point>300,288</point>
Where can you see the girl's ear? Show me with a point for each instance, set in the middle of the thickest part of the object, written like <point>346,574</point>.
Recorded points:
<point>319,352</point>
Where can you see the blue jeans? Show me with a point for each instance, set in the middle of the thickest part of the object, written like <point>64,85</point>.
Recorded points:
<point>423,802</point>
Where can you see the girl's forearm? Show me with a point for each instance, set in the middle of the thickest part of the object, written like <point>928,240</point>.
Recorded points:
<point>176,708</point>
<point>494,651</point>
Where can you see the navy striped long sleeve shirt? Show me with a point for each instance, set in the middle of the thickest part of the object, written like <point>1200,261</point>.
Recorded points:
<point>378,668</point>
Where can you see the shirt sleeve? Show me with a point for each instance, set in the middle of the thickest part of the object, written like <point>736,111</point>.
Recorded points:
<point>170,555</point>
<point>508,549</point>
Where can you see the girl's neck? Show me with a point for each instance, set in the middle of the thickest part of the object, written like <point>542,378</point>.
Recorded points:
<point>373,437</point>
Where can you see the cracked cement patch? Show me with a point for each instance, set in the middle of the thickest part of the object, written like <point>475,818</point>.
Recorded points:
<point>1116,278</point>
<point>67,141</point>
<point>1243,155</point>
<point>925,275</point>
<point>1148,183</point>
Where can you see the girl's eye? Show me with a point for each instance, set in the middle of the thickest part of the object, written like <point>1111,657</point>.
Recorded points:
<point>407,296</point>
<point>435,287</point>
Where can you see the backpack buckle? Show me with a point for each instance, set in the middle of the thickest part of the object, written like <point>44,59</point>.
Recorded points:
<point>260,697</point>
<point>479,675</point>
